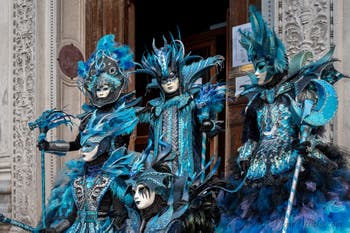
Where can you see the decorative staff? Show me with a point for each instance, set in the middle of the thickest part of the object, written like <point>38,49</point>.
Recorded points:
<point>311,115</point>
<point>210,100</point>
<point>16,223</point>
<point>49,119</point>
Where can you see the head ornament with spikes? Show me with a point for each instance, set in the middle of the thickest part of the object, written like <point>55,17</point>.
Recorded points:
<point>263,46</point>
<point>170,62</point>
<point>153,172</point>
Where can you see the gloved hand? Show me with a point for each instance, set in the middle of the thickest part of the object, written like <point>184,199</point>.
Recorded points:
<point>207,125</point>
<point>2,217</point>
<point>43,145</point>
<point>244,166</point>
<point>212,128</point>
<point>303,147</point>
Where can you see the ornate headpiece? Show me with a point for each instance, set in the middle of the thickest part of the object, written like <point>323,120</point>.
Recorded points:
<point>153,172</point>
<point>263,43</point>
<point>171,61</point>
<point>106,66</point>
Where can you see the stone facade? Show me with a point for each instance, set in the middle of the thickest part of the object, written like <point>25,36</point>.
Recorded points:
<point>6,146</point>
<point>342,37</point>
<point>31,83</point>
<point>24,94</point>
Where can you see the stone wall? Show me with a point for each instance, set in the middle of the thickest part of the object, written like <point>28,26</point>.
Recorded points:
<point>32,33</point>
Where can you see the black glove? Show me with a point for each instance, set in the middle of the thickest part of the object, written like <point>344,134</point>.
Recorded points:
<point>207,125</point>
<point>303,147</point>
<point>43,145</point>
<point>244,166</point>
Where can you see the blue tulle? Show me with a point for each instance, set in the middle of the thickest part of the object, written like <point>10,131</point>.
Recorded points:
<point>322,204</point>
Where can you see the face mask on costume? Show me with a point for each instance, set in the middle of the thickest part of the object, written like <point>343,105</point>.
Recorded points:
<point>108,84</point>
<point>262,73</point>
<point>94,147</point>
<point>170,85</point>
<point>103,91</point>
<point>89,151</point>
<point>143,197</point>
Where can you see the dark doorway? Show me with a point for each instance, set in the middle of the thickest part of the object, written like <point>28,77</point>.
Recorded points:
<point>155,18</point>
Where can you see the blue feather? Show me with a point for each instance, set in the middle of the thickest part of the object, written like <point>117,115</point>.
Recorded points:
<point>263,43</point>
<point>106,46</point>
<point>210,100</point>
<point>122,121</point>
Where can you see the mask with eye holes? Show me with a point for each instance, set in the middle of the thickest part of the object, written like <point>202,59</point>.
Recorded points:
<point>103,77</point>
<point>94,147</point>
<point>143,196</point>
<point>107,82</point>
<point>265,50</point>
<point>171,83</point>
<point>263,72</point>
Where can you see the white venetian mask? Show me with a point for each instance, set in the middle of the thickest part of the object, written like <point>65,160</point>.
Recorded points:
<point>170,85</point>
<point>89,152</point>
<point>103,91</point>
<point>143,197</point>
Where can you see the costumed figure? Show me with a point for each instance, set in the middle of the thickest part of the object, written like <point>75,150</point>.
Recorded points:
<point>166,203</point>
<point>90,194</point>
<point>184,106</point>
<point>292,181</point>
<point>150,184</point>
<point>103,78</point>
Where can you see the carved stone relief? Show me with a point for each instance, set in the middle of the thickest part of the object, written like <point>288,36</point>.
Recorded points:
<point>24,91</point>
<point>305,25</point>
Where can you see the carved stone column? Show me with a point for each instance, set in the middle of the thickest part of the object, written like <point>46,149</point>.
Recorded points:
<point>35,84</point>
<point>24,87</point>
<point>305,25</point>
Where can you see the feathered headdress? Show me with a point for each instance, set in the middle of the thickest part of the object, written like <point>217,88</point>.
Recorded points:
<point>152,172</point>
<point>263,43</point>
<point>106,47</point>
<point>171,60</point>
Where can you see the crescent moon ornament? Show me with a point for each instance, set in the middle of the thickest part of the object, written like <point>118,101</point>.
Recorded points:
<point>324,109</point>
